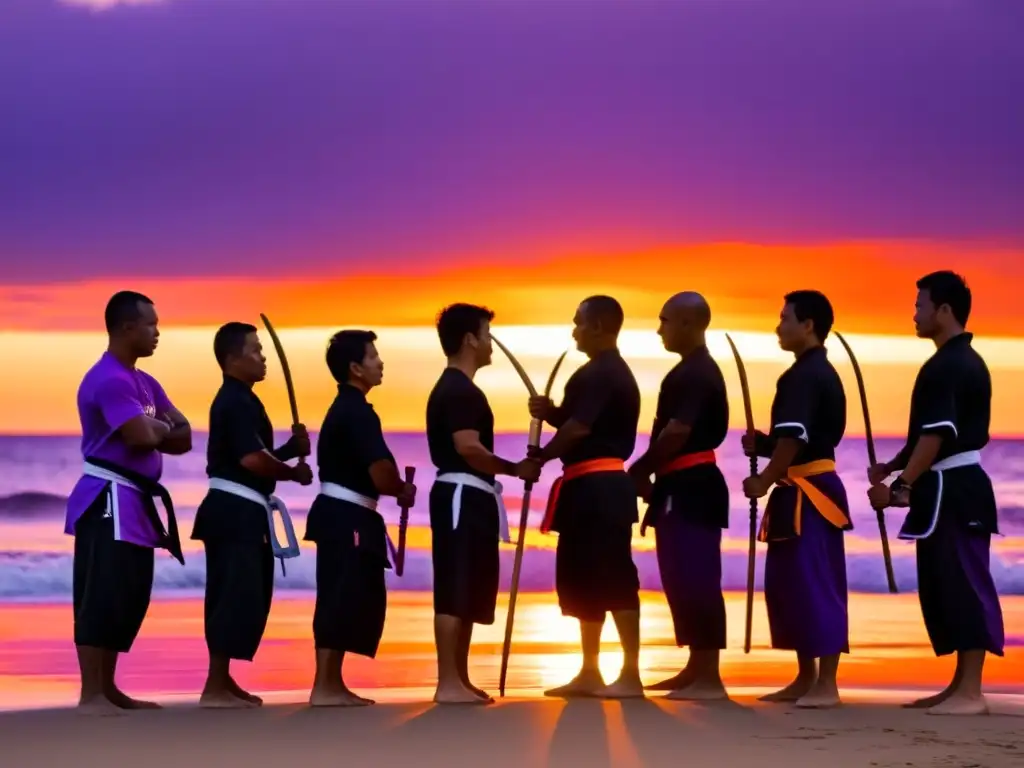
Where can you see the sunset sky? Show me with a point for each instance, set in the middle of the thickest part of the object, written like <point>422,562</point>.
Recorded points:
<point>339,164</point>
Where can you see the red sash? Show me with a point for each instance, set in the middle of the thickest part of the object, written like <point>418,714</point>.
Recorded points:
<point>686,461</point>
<point>571,472</point>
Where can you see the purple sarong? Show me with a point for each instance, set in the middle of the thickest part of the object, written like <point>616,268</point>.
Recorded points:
<point>690,563</point>
<point>805,577</point>
<point>958,597</point>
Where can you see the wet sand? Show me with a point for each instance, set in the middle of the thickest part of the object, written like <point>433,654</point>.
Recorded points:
<point>890,651</point>
<point>518,732</point>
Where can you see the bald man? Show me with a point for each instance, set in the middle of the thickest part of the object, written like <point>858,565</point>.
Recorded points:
<point>593,504</point>
<point>688,503</point>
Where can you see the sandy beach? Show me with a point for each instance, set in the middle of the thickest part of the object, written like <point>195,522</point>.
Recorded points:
<point>890,664</point>
<point>654,732</point>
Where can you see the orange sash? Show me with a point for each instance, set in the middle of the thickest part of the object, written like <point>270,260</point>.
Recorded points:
<point>797,476</point>
<point>686,461</point>
<point>571,473</point>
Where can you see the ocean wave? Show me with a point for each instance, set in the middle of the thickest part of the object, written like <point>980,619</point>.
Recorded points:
<point>47,575</point>
<point>32,505</point>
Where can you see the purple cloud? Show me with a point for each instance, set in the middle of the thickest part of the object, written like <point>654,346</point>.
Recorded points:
<point>213,136</point>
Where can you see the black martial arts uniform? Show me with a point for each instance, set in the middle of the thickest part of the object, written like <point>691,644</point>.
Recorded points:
<point>464,551</point>
<point>235,531</point>
<point>350,535</point>
<point>953,512</point>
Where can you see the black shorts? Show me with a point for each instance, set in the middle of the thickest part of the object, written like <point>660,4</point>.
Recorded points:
<point>239,591</point>
<point>351,598</point>
<point>594,568</point>
<point>466,560</point>
<point>112,583</point>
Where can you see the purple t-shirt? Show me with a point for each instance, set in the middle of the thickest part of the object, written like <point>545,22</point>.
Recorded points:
<point>109,396</point>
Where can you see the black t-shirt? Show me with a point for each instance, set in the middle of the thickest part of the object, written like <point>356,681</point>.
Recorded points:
<point>603,395</point>
<point>693,393</point>
<point>350,441</point>
<point>952,397</point>
<point>239,426</point>
<point>457,404</point>
<point>810,405</point>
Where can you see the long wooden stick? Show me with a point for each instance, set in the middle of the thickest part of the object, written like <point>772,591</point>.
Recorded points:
<point>890,575</point>
<point>536,426</point>
<point>748,412</point>
<point>292,402</point>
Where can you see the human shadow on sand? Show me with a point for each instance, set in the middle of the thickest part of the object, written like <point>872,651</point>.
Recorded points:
<point>659,727</point>
<point>476,729</point>
<point>581,735</point>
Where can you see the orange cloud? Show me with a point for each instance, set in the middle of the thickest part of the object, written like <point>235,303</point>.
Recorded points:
<point>871,285</point>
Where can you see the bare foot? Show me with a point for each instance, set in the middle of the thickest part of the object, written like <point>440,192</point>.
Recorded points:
<point>481,693</point>
<point>929,701</point>
<point>583,685</point>
<point>99,706</point>
<point>674,683</point>
<point>821,696</point>
<point>959,704</point>
<point>700,691</point>
<point>456,694</point>
<point>243,694</point>
<point>121,699</point>
<point>792,692</point>
<point>628,686</point>
<point>223,700</point>
<point>336,698</point>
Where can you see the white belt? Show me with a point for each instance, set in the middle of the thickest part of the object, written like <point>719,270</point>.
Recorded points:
<point>341,493</point>
<point>269,504</point>
<point>116,481</point>
<point>957,460</point>
<point>460,479</point>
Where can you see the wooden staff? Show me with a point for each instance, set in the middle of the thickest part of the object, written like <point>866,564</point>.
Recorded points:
<point>748,412</point>
<point>536,426</point>
<point>292,402</point>
<point>890,575</point>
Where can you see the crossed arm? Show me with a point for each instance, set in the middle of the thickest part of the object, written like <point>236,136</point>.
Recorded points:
<point>168,433</point>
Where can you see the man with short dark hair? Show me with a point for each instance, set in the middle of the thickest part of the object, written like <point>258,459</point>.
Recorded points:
<point>128,422</point>
<point>467,513</point>
<point>805,587</point>
<point>233,520</point>
<point>688,504</point>
<point>953,512</point>
<point>593,505</point>
<point>356,469</point>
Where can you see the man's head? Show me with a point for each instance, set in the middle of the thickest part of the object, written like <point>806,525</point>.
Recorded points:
<point>943,305</point>
<point>684,319</point>
<point>239,352</point>
<point>805,321</point>
<point>596,324</point>
<point>465,330</point>
<point>131,320</point>
<point>352,358</point>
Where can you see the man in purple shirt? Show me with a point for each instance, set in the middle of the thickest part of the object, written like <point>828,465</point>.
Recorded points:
<point>128,422</point>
